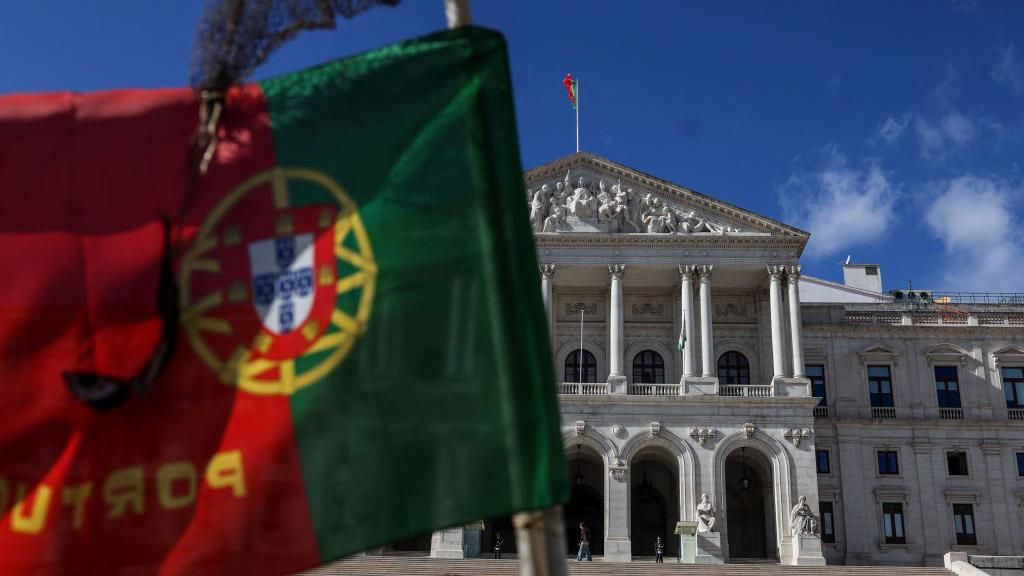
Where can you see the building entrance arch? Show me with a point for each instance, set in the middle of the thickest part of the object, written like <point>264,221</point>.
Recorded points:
<point>587,478</point>
<point>654,501</point>
<point>750,505</point>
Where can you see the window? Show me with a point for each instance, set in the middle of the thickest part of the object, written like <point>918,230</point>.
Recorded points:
<point>648,368</point>
<point>1020,463</point>
<point>892,523</point>
<point>733,368</point>
<point>880,386</point>
<point>947,387</point>
<point>816,372</point>
<point>956,463</point>
<point>963,520</point>
<point>1013,386</point>
<point>871,270</point>
<point>888,462</point>
<point>824,463</point>
<point>573,367</point>
<point>828,528</point>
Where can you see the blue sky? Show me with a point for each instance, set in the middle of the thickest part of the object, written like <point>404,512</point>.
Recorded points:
<point>893,131</point>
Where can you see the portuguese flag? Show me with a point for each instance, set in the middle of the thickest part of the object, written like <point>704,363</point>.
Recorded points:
<point>358,354</point>
<point>572,88</point>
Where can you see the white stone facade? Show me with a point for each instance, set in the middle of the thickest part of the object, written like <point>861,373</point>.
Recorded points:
<point>648,429</point>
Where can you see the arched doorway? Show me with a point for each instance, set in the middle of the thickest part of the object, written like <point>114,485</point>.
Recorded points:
<point>654,502</point>
<point>586,475</point>
<point>501,525</point>
<point>750,505</point>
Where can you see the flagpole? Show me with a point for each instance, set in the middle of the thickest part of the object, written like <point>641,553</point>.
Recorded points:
<point>579,355</point>
<point>456,13</point>
<point>577,116</point>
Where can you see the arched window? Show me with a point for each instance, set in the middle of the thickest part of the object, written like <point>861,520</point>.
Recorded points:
<point>648,368</point>
<point>733,368</point>
<point>572,367</point>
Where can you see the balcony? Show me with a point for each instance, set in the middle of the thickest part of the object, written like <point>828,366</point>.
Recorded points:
<point>884,413</point>
<point>821,412</point>
<point>951,413</point>
<point>1015,413</point>
<point>655,389</point>
<point>745,390</point>
<point>584,389</point>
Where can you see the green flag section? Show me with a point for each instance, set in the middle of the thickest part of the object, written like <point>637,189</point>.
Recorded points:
<point>358,354</point>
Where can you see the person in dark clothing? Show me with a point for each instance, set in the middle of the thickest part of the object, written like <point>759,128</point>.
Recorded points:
<point>498,543</point>
<point>659,551</point>
<point>584,544</point>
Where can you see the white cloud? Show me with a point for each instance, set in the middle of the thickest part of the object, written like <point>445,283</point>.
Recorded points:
<point>1007,70</point>
<point>973,218</point>
<point>892,129</point>
<point>840,206</point>
<point>941,138</point>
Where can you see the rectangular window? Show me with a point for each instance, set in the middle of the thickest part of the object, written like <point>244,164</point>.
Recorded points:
<point>956,463</point>
<point>1013,386</point>
<point>1020,463</point>
<point>880,386</point>
<point>871,270</point>
<point>892,523</point>
<point>963,520</point>
<point>816,372</point>
<point>888,462</point>
<point>828,529</point>
<point>947,387</point>
<point>824,463</point>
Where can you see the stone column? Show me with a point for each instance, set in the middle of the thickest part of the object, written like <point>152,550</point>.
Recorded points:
<point>686,278</point>
<point>547,277</point>
<point>775,299</point>
<point>1000,521</point>
<point>616,378</point>
<point>617,546</point>
<point>929,501</point>
<point>793,281</point>
<point>707,344</point>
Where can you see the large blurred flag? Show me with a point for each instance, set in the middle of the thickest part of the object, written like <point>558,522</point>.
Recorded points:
<point>362,353</point>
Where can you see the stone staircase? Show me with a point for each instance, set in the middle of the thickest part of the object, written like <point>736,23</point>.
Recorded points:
<point>424,566</point>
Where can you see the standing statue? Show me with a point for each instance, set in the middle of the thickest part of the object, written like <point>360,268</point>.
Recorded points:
<point>705,514</point>
<point>802,520</point>
<point>539,208</point>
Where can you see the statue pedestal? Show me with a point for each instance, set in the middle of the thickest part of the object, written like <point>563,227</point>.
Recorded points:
<point>709,548</point>
<point>448,543</point>
<point>807,550</point>
<point>687,532</point>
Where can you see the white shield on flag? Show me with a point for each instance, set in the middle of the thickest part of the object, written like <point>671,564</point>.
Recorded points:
<point>282,281</point>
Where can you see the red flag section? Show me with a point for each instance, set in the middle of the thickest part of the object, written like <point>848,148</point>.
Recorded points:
<point>570,87</point>
<point>191,477</point>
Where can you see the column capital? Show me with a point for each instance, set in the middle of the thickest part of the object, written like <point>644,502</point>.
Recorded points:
<point>616,270</point>
<point>687,271</point>
<point>793,272</point>
<point>547,270</point>
<point>775,272</point>
<point>705,272</point>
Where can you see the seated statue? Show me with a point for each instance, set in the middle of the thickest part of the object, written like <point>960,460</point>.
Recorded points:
<point>802,520</point>
<point>705,514</point>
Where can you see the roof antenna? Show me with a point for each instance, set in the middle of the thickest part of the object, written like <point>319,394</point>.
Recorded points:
<point>848,258</point>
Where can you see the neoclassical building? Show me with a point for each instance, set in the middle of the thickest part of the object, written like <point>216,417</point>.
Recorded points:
<point>694,358</point>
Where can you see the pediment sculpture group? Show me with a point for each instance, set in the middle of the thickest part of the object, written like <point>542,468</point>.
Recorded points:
<point>801,519</point>
<point>620,208</point>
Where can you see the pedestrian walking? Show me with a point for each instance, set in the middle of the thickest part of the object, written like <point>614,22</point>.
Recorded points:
<point>584,544</point>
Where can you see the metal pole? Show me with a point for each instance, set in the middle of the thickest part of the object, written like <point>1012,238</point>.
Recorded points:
<point>456,13</point>
<point>579,355</point>
<point>577,115</point>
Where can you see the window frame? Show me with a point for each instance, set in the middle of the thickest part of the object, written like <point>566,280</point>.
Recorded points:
<point>579,360</point>
<point>955,381</point>
<point>828,460</point>
<point>891,523</point>
<point>1018,399</point>
<point>1020,464</point>
<point>654,366</point>
<point>823,384</point>
<point>966,462</point>
<point>871,379</point>
<point>827,507</point>
<point>737,367</point>
<point>969,538</point>
<point>895,460</point>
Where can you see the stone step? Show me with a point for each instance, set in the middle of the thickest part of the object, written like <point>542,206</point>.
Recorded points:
<point>425,566</point>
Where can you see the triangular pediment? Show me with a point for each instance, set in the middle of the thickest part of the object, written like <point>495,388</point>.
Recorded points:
<point>584,193</point>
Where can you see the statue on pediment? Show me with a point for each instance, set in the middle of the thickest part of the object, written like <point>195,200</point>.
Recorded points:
<point>691,223</point>
<point>556,220</point>
<point>582,204</point>
<point>539,208</point>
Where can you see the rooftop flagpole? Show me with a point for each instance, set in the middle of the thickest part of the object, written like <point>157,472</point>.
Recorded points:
<point>456,13</point>
<point>577,116</point>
